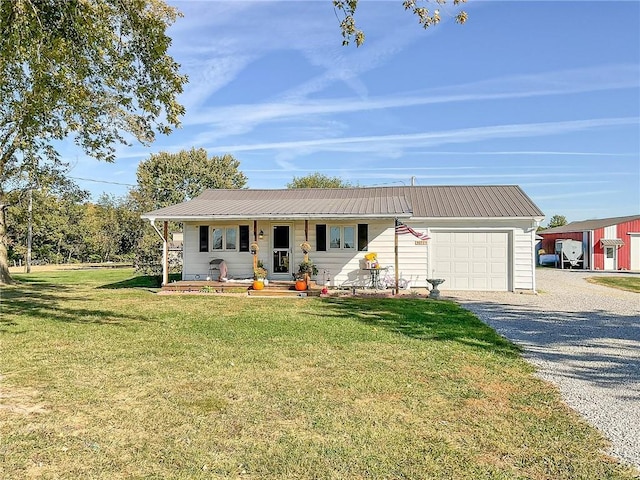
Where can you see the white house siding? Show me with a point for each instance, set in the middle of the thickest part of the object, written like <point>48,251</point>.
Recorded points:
<point>611,232</point>
<point>196,263</point>
<point>343,267</point>
<point>524,266</point>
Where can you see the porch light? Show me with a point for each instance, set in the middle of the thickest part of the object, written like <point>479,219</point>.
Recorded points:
<point>261,235</point>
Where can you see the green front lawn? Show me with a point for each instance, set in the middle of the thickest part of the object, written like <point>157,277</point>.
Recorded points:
<point>102,379</point>
<point>631,284</point>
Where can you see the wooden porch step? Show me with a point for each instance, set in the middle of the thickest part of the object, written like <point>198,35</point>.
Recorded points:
<point>275,292</point>
<point>273,289</point>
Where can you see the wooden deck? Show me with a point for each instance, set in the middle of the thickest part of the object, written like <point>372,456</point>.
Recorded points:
<point>273,289</point>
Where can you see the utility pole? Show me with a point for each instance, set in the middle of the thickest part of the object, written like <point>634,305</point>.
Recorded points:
<point>29,229</point>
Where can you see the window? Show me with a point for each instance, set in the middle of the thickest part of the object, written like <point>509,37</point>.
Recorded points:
<point>321,238</point>
<point>349,237</point>
<point>244,238</point>
<point>230,238</point>
<point>225,238</point>
<point>334,238</point>
<point>342,237</point>
<point>204,238</point>
<point>363,237</point>
<point>217,238</point>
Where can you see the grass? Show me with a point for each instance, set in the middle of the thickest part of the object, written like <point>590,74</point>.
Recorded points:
<point>117,383</point>
<point>630,284</point>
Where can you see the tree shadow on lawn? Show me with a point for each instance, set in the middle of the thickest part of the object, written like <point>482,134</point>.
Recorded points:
<point>596,346</point>
<point>147,282</point>
<point>50,302</point>
<point>424,320</point>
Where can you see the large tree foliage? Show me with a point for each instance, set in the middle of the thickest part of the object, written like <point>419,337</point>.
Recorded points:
<point>426,17</point>
<point>94,70</point>
<point>168,178</point>
<point>67,228</point>
<point>318,180</point>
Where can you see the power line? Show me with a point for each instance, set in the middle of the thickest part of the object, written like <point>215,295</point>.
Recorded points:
<point>103,181</point>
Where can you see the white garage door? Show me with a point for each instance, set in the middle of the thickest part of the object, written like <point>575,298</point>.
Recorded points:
<point>471,260</point>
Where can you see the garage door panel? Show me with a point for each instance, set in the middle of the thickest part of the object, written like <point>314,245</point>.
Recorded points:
<point>479,237</point>
<point>479,267</point>
<point>480,252</point>
<point>460,267</point>
<point>498,268</point>
<point>472,260</point>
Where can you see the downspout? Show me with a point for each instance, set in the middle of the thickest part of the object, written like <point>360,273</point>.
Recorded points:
<point>165,250</point>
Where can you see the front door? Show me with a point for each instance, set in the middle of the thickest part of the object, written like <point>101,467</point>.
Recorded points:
<point>609,258</point>
<point>281,236</point>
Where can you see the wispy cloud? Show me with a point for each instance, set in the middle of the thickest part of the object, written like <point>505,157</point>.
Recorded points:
<point>428,139</point>
<point>242,118</point>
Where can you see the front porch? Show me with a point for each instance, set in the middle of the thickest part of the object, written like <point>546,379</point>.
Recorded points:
<point>273,289</point>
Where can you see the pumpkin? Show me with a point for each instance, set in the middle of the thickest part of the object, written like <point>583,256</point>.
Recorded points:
<point>258,285</point>
<point>301,285</point>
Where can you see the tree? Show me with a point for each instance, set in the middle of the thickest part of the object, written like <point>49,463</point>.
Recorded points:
<point>168,178</point>
<point>426,18</point>
<point>318,180</point>
<point>557,221</point>
<point>94,70</point>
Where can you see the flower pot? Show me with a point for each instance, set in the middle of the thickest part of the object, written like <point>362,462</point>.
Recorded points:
<point>301,285</point>
<point>258,285</point>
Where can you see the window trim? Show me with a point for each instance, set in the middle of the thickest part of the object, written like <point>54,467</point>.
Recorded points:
<point>342,237</point>
<point>224,229</point>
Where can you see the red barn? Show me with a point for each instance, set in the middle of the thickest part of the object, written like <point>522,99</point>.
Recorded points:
<point>608,243</point>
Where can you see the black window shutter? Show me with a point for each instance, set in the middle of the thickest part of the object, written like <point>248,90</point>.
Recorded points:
<point>244,238</point>
<point>321,238</point>
<point>204,238</point>
<point>363,237</point>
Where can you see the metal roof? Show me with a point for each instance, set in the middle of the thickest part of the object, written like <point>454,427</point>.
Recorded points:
<point>611,242</point>
<point>374,202</point>
<point>587,225</point>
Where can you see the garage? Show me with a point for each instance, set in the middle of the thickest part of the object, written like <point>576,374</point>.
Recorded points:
<point>471,260</point>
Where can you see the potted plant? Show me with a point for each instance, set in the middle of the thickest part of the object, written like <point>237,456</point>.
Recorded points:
<point>259,276</point>
<point>306,269</point>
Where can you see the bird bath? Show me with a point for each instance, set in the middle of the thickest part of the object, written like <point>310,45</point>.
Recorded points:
<point>435,293</point>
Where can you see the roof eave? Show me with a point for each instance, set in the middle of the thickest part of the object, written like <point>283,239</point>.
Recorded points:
<point>348,216</point>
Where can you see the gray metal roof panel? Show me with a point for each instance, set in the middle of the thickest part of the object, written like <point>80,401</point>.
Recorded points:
<point>416,201</point>
<point>587,225</point>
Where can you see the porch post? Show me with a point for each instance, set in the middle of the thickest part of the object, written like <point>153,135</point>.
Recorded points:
<point>165,254</point>
<point>395,249</point>
<point>306,230</point>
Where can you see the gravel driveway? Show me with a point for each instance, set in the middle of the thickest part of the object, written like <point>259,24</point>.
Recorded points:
<point>582,337</point>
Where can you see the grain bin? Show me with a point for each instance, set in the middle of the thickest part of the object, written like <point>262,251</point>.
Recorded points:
<point>570,253</point>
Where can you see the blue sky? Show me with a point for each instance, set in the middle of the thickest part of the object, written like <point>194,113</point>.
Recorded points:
<point>542,94</point>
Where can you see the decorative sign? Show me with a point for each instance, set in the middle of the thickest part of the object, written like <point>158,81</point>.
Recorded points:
<point>421,242</point>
